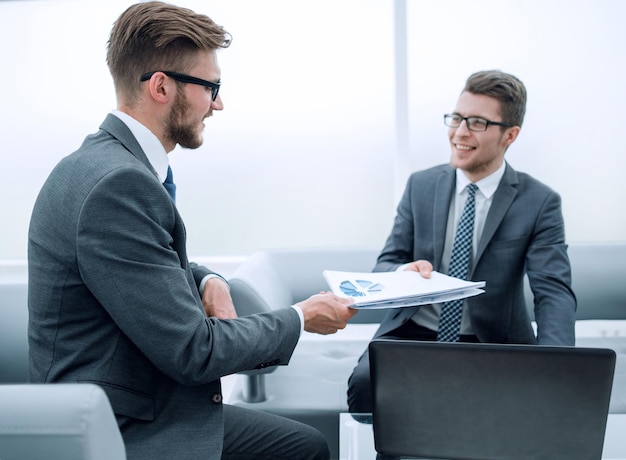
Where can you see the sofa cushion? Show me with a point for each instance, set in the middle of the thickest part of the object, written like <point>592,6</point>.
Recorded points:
<point>13,332</point>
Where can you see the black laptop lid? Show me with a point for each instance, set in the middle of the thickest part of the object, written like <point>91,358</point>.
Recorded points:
<point>487,401</point>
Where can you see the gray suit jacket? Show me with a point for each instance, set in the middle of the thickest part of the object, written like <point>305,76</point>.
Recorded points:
<point>523,233</point>
<point>113,300</point>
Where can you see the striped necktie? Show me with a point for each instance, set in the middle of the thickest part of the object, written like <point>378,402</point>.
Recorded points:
<point>451,312</point>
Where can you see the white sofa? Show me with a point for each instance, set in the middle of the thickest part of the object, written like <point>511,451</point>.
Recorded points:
<point>13,335</point>
<point>312,388</point>
<point>58,422</point>
<point>52,422</point>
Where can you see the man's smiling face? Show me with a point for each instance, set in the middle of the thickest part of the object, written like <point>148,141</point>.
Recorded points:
<point>479,154</point>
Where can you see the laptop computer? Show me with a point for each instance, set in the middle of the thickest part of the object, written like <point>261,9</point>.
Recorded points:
<point>486,401</point>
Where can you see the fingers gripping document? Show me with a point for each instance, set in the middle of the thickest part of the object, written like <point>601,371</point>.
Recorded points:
<point>399,289</point>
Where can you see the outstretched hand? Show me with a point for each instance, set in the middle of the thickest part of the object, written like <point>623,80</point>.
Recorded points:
<point>423,267</point>
<point>326,313</point>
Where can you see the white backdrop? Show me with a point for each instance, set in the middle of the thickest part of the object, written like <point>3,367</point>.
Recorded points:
<point>307,152</point>
<point>571,54</point>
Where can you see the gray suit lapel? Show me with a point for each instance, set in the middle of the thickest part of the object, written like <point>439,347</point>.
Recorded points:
<point>118,129</point>
<point>444,190</point>
<point>502,199</point>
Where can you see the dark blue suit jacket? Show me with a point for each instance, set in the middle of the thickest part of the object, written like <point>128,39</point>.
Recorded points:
<point>523,233</point>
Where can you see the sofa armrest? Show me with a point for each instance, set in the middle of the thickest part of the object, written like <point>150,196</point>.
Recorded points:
<point>256,286</point>
<point>68,421</point>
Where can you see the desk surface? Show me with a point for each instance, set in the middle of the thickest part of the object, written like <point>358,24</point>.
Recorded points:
<point>356,440</point>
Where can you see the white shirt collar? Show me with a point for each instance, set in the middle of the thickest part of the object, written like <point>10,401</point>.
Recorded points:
<point>486,185</point>
<point>149,143</point>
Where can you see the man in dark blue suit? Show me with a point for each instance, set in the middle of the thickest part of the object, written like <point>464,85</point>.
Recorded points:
<point>113,299</point>
<point>518,229</point>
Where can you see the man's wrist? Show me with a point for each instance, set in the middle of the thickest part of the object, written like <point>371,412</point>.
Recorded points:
<point>210,276</point>
<point>301,315</point>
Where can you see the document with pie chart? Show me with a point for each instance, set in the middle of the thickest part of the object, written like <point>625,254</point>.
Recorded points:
<point>399,289</point>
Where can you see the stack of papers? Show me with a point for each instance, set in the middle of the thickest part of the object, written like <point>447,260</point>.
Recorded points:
<point>399,289</point>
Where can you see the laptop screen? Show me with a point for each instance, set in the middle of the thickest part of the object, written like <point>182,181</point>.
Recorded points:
<point>488,401</point>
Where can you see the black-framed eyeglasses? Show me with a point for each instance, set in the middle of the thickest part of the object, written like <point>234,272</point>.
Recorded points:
<point>473,123</point>
<point>184,78</point>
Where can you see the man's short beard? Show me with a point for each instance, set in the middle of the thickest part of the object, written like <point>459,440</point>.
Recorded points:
<point>177,129</point>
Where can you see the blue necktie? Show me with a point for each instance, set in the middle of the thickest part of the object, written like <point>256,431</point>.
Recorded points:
<point>451,312</point>
<point>169,184</point>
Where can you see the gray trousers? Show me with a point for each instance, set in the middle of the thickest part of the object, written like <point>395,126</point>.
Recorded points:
<point>251,434</point>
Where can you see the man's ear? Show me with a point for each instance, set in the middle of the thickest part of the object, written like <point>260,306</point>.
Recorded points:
<point>160,88</point>
<point>510,135</point>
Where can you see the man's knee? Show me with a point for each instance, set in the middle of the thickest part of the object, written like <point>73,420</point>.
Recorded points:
<point>303,443</point>
<point>318,445</point>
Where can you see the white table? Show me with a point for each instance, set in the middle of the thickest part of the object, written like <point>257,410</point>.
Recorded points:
<point>356,440</point>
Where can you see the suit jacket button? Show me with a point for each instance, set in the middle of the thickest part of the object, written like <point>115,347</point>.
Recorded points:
<point>217,398</point>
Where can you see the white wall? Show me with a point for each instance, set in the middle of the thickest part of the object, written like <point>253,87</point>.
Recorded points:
<point>307,151</point>
<point>571,55</point>
<point>301,155</point>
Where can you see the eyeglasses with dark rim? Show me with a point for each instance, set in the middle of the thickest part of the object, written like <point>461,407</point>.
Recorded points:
<point>184,78</point>
<point>473,123</point>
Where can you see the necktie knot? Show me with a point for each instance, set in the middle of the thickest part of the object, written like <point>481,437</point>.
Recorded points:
<point>169,184</point>
<point>471,189</point>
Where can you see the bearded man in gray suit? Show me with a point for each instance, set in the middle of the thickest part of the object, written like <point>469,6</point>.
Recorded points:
<point>518,230</point>
<point>113,299</point>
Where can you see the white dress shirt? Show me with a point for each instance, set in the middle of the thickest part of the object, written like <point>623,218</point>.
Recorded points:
<point>428,315</point>
<point>149,143</point>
